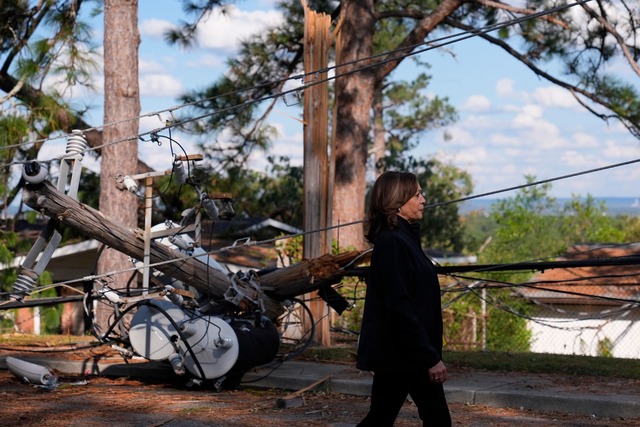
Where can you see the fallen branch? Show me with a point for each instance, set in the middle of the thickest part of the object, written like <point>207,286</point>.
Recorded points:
<point>294,400</point>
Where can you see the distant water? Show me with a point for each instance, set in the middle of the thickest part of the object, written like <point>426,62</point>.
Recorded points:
<point>614,205</point>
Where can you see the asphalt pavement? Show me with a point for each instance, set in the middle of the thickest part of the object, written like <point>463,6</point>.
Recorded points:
<point>531,392</point>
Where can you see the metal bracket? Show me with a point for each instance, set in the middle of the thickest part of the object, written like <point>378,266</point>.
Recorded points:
<point>33,266</point>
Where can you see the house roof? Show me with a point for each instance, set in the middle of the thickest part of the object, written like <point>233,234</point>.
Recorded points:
<point>597,285</point>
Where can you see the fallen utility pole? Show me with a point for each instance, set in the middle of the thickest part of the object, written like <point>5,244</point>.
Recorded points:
<point>266,292</point>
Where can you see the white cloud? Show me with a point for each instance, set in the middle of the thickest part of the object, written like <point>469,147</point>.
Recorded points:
<point>528,117</point>
<point>468,156</point>
<point>158,157</point>
<point>514,153</point>
<point>531,122</point>
<point>148,67</point>
<point>617,127</point>
<point>504,88</point>
<point>477,121</point>
<point>510,108</point>
<point>209,61</point>
<point>290,142</point>
<point>160,85</point>
<point>615,150</point>
<point>579,160</point>
<point>554,96</point>
<point>584,140</point>
<point>511,169</point>
<point>458,137</point>
<point>502,140</point>
<point>225,30</point>
<point>286,145</point>
<point>161,156</point>
<point>155,27</point>
<point>477,103</point>
<point>149,123</point>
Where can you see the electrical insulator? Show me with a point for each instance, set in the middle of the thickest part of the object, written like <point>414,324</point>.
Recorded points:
<point>76,144</point>
<point>177,364</point>
<point>22,286</point>
<point>180,242</point>
<point>179,172</point>
<point>130,183</point>
<point>188,329</point>
<point>34,172</point>
<point>211,208</point>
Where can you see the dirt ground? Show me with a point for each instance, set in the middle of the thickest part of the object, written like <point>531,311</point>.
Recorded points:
<point>100,401</point>
<point>127,402</point>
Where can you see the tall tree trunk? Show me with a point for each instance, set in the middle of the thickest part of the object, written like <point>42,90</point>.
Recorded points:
<point>354,97</point>
<point>379,132</point>
<point>121,101</point>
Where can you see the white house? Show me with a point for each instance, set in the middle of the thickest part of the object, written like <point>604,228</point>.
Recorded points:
<point>590,311</point>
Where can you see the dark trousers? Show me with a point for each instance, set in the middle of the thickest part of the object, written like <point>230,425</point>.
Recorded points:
<point>390,390</point>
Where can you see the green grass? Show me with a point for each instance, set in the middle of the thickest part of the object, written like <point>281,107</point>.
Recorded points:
<point>547,363</point>
<point>515,362</point>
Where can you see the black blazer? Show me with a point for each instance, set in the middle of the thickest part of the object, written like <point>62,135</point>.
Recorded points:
<point>402,319</point>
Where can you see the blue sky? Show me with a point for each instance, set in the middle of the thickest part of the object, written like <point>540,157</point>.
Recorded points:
<point>511,123</point>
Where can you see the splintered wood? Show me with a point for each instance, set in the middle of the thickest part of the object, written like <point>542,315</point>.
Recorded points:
<point>308,275</point>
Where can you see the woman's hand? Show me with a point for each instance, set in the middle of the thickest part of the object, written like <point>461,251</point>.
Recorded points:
<point>438,373</point>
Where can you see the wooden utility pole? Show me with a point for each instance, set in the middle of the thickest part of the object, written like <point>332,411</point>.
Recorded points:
<point>317,206</point>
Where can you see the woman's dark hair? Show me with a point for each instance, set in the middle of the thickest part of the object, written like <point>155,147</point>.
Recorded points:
<point>391,190</point>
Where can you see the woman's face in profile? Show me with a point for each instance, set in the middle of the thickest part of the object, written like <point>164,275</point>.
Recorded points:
<point>413,209</point>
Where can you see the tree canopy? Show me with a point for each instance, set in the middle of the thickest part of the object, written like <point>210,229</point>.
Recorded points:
<point>375,37</point>
<point>46,53</point>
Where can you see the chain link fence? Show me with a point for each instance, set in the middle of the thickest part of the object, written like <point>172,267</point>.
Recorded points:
<point>587,330</point>
<point>584,330</point>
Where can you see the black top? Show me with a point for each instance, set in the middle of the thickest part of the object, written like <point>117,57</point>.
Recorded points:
<point>402,320</point>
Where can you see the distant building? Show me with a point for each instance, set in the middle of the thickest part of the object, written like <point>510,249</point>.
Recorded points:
<point>593,311</point>
<point>450,258</point>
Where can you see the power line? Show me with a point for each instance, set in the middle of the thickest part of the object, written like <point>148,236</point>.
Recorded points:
<point>501,305</point>
<point>529,265</point>
<point>526,265</point>
<point>447,39</point>
<point>471,34</point>
<point>389,56</point>
<point>544,181</point>
<point>509,285</point>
